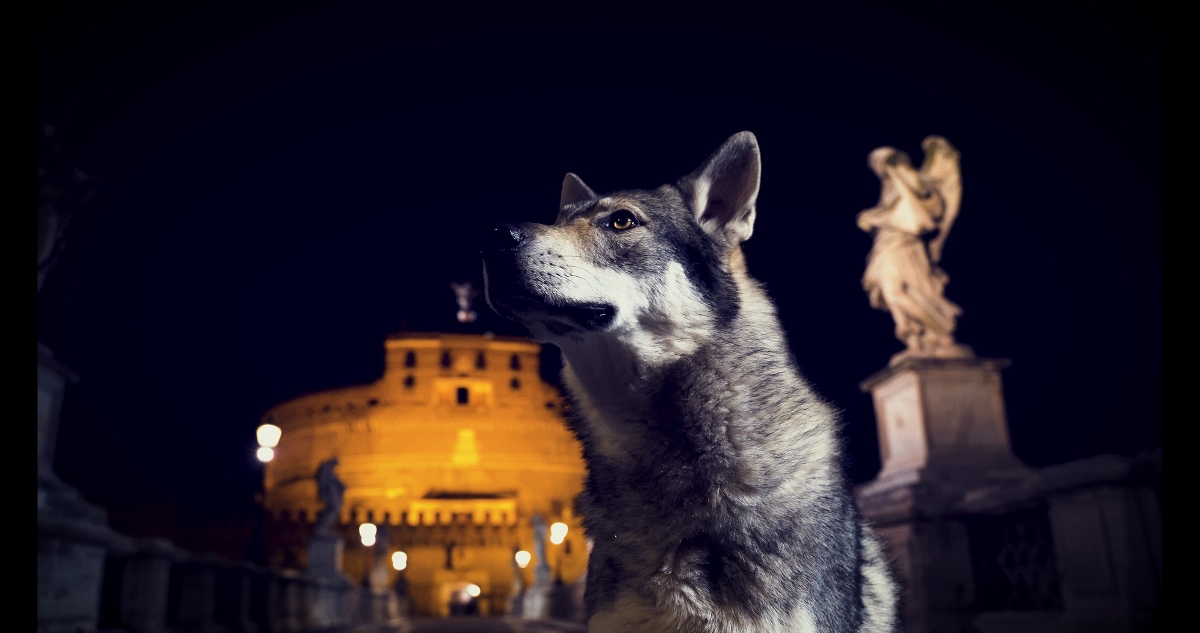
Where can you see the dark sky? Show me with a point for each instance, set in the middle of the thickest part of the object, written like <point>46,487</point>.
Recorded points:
<point>280,189</point>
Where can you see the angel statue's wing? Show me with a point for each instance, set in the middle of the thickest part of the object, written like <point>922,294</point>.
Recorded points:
<point>940,171</point>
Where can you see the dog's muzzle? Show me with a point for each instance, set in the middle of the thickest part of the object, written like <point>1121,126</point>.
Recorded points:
<point>509,294</point>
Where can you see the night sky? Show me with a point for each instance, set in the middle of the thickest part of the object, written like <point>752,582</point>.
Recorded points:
<point>280,189</point>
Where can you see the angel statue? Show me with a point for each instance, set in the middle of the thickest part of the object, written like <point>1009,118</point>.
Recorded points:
<point>915,212</point>
<point>464,293</point>
<point>330,489</point>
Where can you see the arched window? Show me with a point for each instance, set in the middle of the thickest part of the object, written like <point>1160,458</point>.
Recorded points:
<point>515,384</point>
<point>446,359</point>
<point>409,381</point>
<point>410,359</point>
<point>464,395</point>
<point>514,362</point>
<point>480,361</point>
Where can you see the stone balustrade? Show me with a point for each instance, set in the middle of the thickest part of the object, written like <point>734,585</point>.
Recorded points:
<point>151,586</point>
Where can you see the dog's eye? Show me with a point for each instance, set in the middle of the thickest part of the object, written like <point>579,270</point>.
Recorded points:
<point>622,220</point>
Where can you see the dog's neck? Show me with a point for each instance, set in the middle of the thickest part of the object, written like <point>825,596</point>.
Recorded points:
<point>619,392</point>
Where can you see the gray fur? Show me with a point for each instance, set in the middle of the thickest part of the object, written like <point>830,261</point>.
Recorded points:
<point>715,497</point>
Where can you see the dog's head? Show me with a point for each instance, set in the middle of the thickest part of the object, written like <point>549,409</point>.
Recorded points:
<point>652,262</point>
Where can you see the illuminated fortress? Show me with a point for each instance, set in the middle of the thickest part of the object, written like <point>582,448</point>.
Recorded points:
<point>451,454</point>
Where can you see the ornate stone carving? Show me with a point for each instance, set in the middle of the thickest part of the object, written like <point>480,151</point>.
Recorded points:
<point>909,225</point>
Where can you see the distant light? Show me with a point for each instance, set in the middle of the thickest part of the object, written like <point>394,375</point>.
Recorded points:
<point>399,561</point>
<point>367,532</point>
<point>265,454</point>
<point>268,435</point>
<point>523,557</point>
<point>466,316</point>
<point>473,591</point>
<point>558,532</point>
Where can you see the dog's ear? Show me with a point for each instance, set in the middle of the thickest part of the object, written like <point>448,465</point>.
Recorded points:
<point>722,192</point>
<point>574,191</point>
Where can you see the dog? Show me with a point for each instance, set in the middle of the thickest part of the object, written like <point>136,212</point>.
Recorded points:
<point>715,497</point>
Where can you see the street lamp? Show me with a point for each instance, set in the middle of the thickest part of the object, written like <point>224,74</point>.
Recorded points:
<point>268,438</point>
<point>367,531</point>
<point>399,561</point>
<point>523,557</point>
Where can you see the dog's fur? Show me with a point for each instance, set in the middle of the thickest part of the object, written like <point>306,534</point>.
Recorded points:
<point>715,496</point>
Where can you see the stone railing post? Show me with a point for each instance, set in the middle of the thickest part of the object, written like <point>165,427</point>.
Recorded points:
<point>140,579</point>
<point>1108,540</point>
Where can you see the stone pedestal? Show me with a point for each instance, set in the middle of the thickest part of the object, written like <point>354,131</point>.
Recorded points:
<point>329,604</point>
<point>943,435</point>
<point>52,380</point>
<point>325,555</point>
<point>942,425</point>
<point>73,535</point>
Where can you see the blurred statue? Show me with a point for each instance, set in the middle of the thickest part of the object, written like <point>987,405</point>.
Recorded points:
<point>464,293</point>
<point>61,188</point>
<point>330,489</point>
<point>915,212</point>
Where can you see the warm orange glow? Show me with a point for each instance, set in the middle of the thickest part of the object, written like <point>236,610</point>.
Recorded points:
<point>558,532</point>
<point>523,557</point>
<point>399,561</point>
<point>506,451</point>
<point>265,454</point>
<point>268,435</point>
<point>367,532</point>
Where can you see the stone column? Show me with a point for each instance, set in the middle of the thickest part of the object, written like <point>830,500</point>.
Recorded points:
<point>198,592</point>
<point>278,601</point>
<point>234,597</point>
<point>260,581</point>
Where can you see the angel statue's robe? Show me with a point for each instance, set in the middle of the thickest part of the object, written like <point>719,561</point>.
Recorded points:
<point>900,276</point>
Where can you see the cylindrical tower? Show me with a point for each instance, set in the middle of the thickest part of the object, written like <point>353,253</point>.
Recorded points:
<point>454,450</point>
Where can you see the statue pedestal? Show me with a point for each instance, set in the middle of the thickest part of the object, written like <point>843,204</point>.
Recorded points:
<point>329,605</point>
<point>536,601</point>
<point>943,434</point>
<point>73,535</point>
<point>325,555</point>
<point>942,424</point>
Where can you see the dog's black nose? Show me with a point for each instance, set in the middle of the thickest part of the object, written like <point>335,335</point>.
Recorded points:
<point>502,237</point>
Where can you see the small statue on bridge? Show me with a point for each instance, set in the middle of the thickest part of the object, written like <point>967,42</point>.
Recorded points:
<point>330,489</point>
<point>464,293</point>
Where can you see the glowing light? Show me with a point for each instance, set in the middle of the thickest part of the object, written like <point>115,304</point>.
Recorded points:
<point>558,532</point>
<point>399,561</point>
<point>473,591</point>
<point>265,454</point>
<point>268,435</point>
<point>367,532</point>
<point>523,557</point>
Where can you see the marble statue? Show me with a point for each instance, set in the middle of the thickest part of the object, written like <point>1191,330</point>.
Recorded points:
<point>909,225</point>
